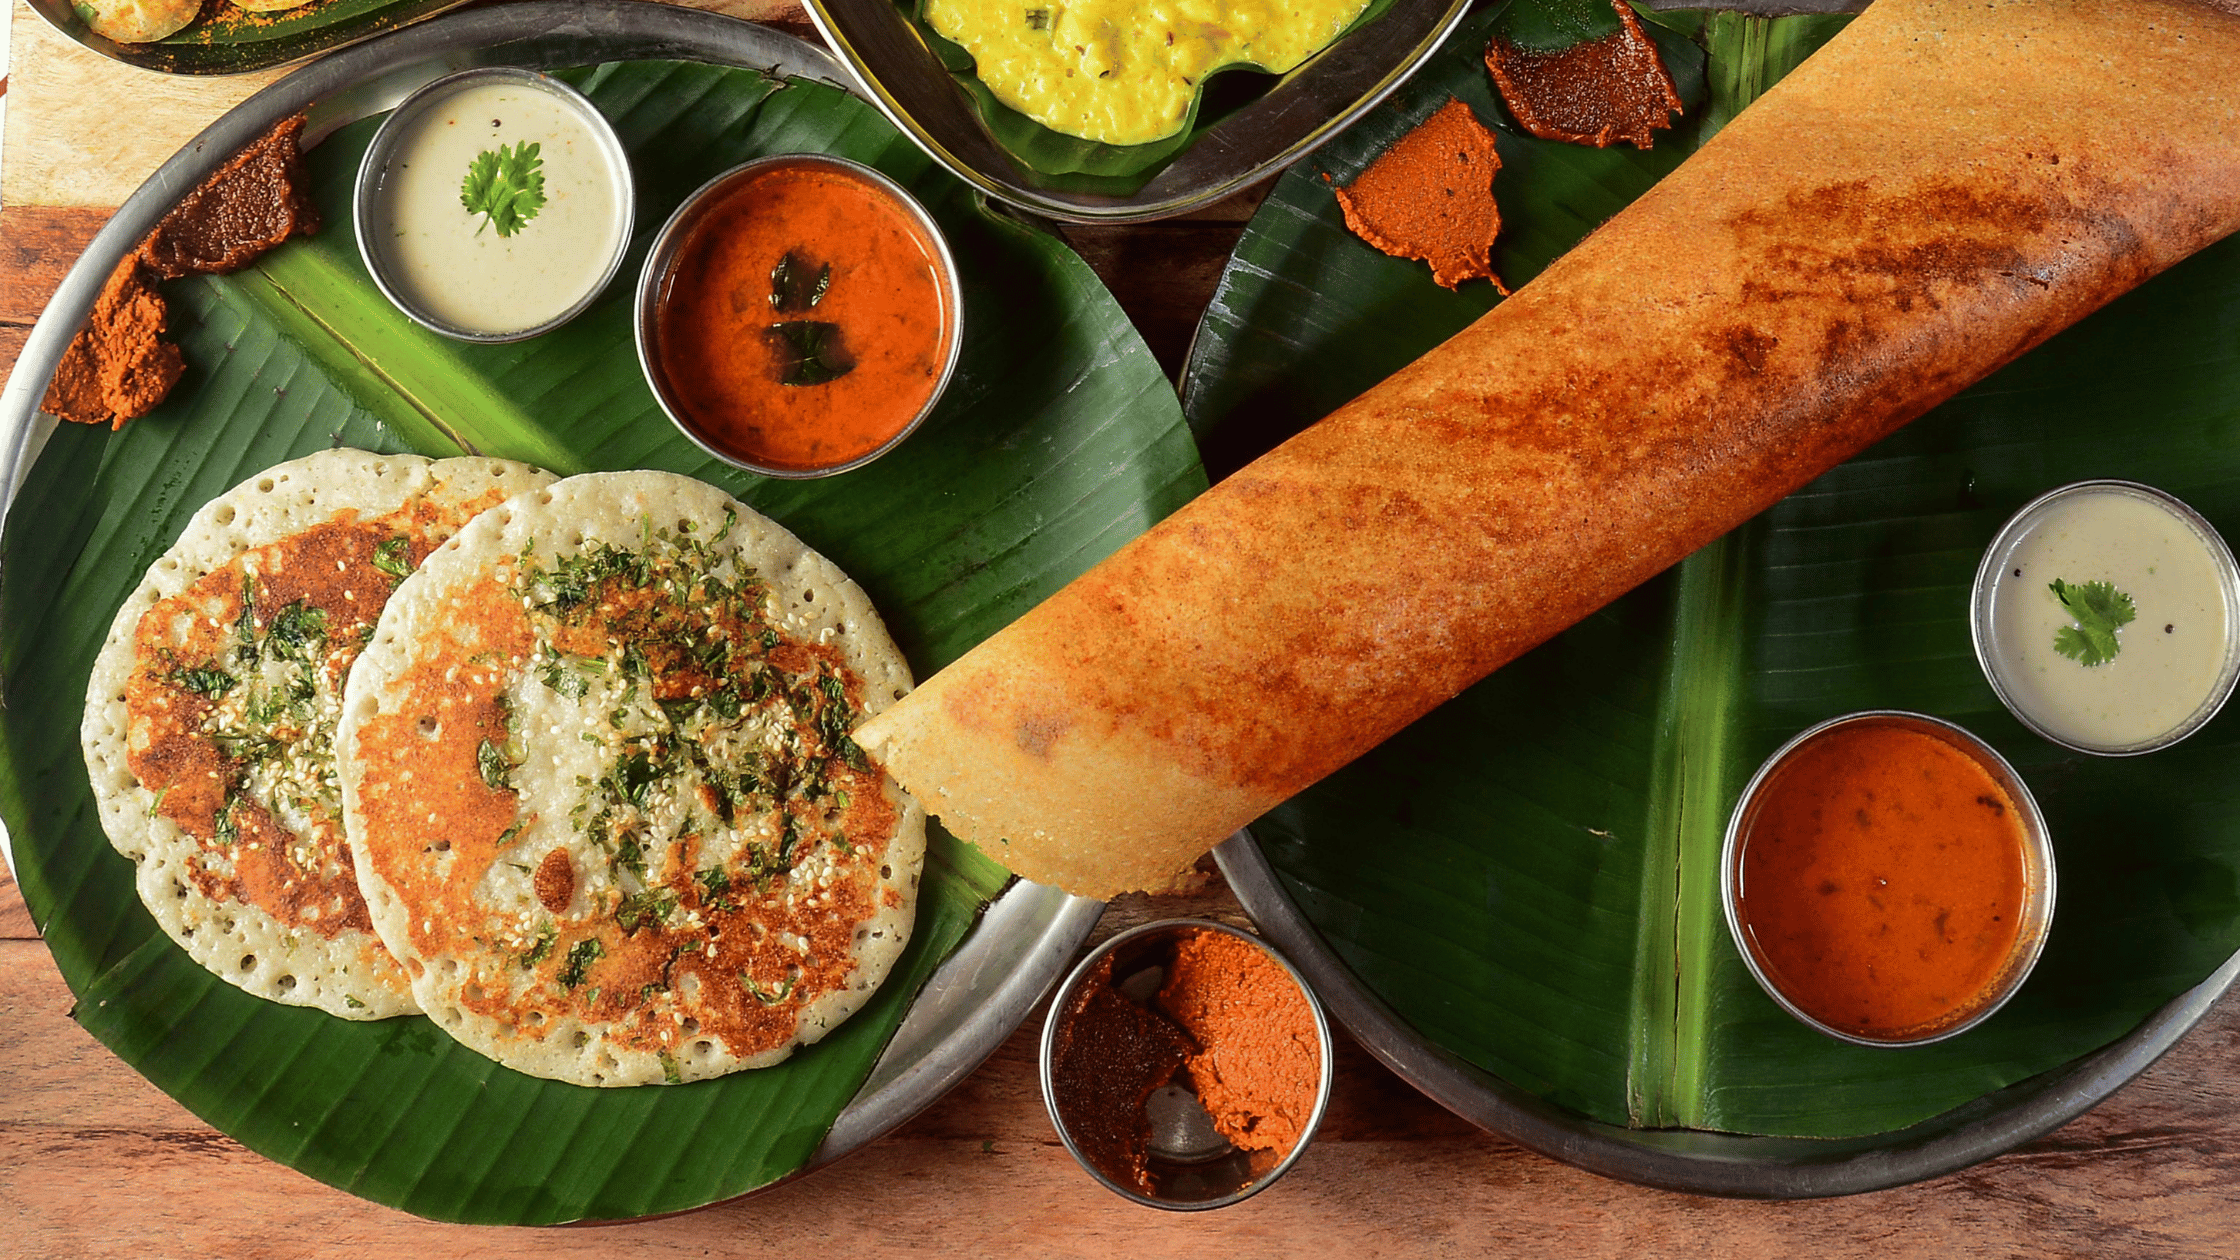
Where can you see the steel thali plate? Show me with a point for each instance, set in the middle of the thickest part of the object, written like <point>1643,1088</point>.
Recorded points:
<point>1029,933</point>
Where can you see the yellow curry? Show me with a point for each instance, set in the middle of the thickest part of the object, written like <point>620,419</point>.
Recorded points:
<point>1125,71</point>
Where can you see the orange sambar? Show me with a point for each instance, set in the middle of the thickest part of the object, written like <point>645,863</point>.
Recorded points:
<point>805,319</point>
<point>1883,880</point>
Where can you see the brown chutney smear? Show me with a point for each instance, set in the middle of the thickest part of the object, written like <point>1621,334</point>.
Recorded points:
<point>711,880</point>
<point>1597,92</point>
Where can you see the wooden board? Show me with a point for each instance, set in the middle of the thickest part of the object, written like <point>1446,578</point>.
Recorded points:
<point>83,130</point>
<point>94,1162</point>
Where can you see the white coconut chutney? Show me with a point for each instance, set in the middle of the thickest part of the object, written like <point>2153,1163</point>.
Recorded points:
<point>2175,660</point>
<point>487,274</point>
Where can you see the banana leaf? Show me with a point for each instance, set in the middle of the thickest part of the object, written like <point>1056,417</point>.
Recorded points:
<point>1529,875</point>
<point>1058,440</point>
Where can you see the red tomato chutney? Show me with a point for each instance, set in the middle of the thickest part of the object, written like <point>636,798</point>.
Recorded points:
<point>805,319</point>
<point>1883,881</point>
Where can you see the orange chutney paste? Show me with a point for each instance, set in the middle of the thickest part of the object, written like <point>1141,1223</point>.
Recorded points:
<point>1883,880</point>
<point>804,323</point>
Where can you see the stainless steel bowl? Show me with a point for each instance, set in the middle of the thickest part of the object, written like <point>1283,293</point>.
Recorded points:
<point>1334,88</point>
<point>1195,1167</point>
<point>1989,574</point>
<point>2037,876</point>
<point>373,171</point>
<point>654,283</point>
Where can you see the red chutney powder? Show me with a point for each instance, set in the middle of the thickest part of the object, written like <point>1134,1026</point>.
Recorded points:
<point>1259,1064</point>
<point>1883,880</point>
<point>878,324</point>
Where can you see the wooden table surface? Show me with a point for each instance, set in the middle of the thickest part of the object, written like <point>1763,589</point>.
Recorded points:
<point>96,1162</point>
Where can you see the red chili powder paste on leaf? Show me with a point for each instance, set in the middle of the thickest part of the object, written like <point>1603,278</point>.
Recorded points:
<point>1598,92</point>
<point>1430,197</point>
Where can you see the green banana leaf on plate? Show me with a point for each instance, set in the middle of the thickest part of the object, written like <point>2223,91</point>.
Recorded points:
<point>1057,441</point>
<point>1528,876</point>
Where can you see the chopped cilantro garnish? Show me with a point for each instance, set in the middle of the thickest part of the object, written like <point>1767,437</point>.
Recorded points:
<point>630,856</point>
<point>788,838</point>
<point>564,680</point>
<point>632,777</point>
<point>580,957</point>
<point>771,996</point>
<point>2100,610</point>
<point>641,908</point>
<point>634,661</point>
<point>245,626</point>
<point>713,883</point>
<point>223,829</point>
<point>669,1073</point>
<point>394,557</point>
<point>298,632</point>
<point>491,761</point>
<point>352,1002</point>
<point>202,680</point>
<point>542,949</point>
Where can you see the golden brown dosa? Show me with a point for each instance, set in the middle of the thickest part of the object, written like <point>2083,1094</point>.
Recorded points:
<point>1944,186</point>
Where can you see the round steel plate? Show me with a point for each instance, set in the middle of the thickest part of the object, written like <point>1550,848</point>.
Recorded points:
<point>1029,933</point>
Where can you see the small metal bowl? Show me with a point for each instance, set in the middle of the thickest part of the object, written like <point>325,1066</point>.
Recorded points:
<point>1983,603</point>
<point>2037,879</point>
<point>655,281</point>
<point>373,172</point>
<point>1192,1165</point>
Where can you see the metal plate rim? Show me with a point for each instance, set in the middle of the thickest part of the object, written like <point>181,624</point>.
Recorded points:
<point>1742,1166</point>
<point>1028,933</point>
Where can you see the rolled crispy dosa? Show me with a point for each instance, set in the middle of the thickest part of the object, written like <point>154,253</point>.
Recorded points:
<point>1943,187</point>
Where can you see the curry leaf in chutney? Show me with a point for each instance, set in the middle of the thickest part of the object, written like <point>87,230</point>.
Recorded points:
<point>809,352</point>
<point>798,283</point>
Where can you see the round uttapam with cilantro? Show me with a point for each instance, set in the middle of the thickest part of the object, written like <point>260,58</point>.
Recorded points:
<point>210,715</point>
<point>602,794</point>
